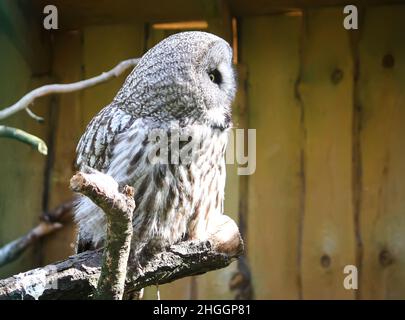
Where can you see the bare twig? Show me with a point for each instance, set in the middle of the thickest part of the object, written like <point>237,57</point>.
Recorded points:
<point>14,249</point>
<point>60,213</point>
<point>34,116</point>
<point>20,135</point>
<point>118,208</point>
<point>29,98</point>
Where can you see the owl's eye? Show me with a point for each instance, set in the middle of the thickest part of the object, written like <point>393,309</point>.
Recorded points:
<point>215,76</point>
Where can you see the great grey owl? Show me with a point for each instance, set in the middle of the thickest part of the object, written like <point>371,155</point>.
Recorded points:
<point>184,86</point>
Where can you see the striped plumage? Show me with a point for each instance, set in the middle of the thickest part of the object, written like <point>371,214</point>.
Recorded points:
<point>182,87</point>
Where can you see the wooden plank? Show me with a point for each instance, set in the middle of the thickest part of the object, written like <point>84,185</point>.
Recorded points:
<point>243,8</point>
<point>67,127</point>
<point>23,25</point>
<point>218,16</point>
<point>103,48</point>
<point>269,48</point>
<point>326,93</point>
<point>382,143</point>
<point>21,167</point>
<point>80,13</point>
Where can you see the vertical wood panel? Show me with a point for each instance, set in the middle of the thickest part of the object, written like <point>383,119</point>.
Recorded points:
<point>270,51</point>
<point>21,167</point>
<point>382,98</point>
<point>326,95</point>
<point>219,18</point>
<point>67,128</point>
<point>103,48</point>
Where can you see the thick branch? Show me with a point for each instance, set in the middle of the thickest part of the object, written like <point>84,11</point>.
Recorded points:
<point>25,137</point>
<point>118,208</point>
<point>77,277</point>
<point>29,98</point>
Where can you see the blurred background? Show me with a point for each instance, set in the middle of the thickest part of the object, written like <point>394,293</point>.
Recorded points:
<point>328,105</point>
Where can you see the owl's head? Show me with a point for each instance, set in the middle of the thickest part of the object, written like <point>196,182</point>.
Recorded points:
<point>187,77</point>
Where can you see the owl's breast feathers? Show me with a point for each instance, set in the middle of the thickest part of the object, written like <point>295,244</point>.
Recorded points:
<point>172,199</point>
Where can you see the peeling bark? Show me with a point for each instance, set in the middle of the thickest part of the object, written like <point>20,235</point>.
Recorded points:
<point>77,276</point>
<point>104,273</point>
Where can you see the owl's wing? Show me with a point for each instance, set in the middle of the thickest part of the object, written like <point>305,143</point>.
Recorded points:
<point>96,145</point>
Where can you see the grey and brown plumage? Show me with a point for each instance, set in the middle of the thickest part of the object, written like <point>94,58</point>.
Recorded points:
<point>183,86</point>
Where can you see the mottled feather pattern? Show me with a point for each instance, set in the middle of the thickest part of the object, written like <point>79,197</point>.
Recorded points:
<point>176,197</point>
<point>96,144</point>
<point>171,90</point>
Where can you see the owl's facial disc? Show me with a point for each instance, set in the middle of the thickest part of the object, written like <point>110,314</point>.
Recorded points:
<point>218,84</point>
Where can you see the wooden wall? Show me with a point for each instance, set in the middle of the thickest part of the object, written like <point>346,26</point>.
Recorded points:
<point>328,106</point>
<point>24,64</point>
<point>274,199</point>
<point>381,99</point>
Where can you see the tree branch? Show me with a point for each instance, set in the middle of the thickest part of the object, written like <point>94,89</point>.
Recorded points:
<point>25,137</point>
<point>29,98</point>
<point>14,249</point>
<point>50,223</point>
<point>79,276</point>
